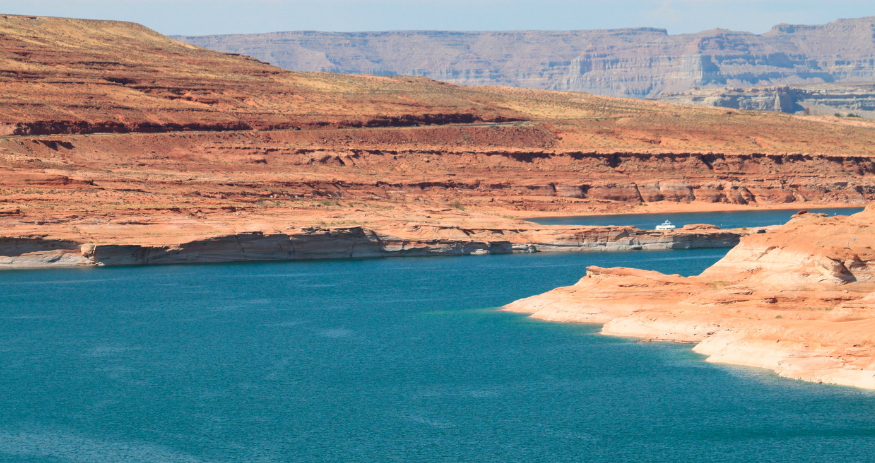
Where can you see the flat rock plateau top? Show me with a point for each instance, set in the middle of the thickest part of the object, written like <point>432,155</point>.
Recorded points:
<point>635,62</point>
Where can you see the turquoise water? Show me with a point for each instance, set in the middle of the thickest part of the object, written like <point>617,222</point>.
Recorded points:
<point>380,360</point>
<point>736,219</point>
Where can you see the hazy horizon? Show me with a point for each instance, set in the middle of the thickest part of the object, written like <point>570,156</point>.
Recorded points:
<point>202,17</point>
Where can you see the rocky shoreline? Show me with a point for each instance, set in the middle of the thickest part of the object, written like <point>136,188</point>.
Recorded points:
<point>798,300</point>
<point>355,242</point>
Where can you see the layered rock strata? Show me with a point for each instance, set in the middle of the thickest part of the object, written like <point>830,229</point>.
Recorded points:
<point>641,62</point>
<point>799,300</point>
<point>414,240</point>
<point>73,76</point>
<point>509,173</point>
<point>842,100</point>
<point>152,150</point>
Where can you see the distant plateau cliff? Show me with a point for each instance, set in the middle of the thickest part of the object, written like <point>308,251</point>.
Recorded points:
<point>639,63</point>
<point>836,99</point>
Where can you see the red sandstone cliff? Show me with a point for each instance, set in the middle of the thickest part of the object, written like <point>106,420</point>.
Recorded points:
<point>112,128</point>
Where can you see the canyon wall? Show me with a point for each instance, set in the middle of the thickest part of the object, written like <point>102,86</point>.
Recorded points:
<point>151,150</point>
<point>640,63</point>
<point>224,173</point>
<point>413,240</point>
<point>842,100</point>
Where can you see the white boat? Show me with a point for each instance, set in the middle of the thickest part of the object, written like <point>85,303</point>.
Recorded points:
<point>479,252</point>
<point>666,226</point>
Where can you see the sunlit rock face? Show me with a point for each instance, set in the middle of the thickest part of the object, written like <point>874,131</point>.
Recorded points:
<point>799,300</point>
<point>120,146</point>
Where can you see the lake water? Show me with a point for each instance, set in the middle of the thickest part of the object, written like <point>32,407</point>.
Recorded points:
<point>380,360</point>
<point>733,219</point>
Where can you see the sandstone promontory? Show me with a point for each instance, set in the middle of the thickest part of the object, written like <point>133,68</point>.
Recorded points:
<point>799,300</point>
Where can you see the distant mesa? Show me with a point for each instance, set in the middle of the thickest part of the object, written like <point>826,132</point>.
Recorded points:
<point>827,99</point>
<point>638,63</point>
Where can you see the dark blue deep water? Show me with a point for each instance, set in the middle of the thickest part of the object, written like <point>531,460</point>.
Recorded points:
<point>729,219</point>
<point>403,360</point>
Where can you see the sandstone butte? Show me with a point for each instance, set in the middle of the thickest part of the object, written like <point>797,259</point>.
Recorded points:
<point>799,300</point>
<point>121,146</point>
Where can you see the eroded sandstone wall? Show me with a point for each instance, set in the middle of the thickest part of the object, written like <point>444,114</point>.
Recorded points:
<point>239,171</point>
<point>353,242</point>
<point>799,300</point>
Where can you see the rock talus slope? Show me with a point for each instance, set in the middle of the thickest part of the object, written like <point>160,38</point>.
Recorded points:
<point>799,300</point>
